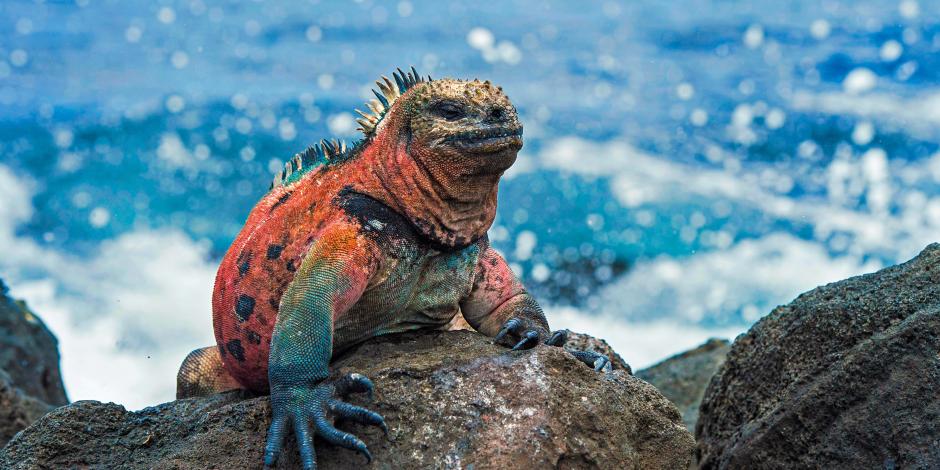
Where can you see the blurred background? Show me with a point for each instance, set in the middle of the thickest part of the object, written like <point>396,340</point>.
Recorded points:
<point>688,165</point>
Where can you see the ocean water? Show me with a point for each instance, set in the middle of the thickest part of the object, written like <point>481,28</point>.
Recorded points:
<point>688,165</point>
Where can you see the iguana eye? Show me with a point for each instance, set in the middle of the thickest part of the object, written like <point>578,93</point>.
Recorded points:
<point>448,110</point>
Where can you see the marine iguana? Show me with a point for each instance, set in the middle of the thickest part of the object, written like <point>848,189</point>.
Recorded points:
<point>386,236</point>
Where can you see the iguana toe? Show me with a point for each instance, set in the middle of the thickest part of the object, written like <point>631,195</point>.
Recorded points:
<point>529,339</point>
<point>361,415</point>
<point>513,325</point>
<point>520,333</point>
<point>275,440</point>
<point>353,383</point>
<point>343,439</point>
<point>593,359</point>
<point>558,338</point>
<point>310,409</point>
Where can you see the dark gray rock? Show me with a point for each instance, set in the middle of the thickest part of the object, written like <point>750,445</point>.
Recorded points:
<point>30,382</point>
<point>17,410</point>
<point>451,399</point>
<point>682,378</point>
<point>846,376</point>
<point>29,352</point>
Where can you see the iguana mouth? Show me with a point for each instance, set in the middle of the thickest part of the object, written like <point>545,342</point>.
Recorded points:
<point>488,140</point>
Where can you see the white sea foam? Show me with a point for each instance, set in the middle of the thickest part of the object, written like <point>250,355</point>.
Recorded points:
<point>919,114</point>
<point>859,80</point>
<point>752,275</point>
<point>642,179</point>
<point>125,317</point>
<point>654,312</point>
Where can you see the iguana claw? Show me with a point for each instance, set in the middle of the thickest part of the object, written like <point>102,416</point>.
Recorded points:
<point>306,405</point>
<point>558,338</point>
<point>529,339</point>
<point>528,334</point>
<point>593,359</point>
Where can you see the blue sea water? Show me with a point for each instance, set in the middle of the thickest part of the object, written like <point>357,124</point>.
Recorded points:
<point>688,165</point>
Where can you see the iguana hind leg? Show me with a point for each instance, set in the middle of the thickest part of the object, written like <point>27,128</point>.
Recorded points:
<point>203,373</point>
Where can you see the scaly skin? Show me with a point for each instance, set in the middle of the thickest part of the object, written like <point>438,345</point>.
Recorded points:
<point>387,237</point>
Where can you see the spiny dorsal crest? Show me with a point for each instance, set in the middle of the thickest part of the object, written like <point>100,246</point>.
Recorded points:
<point>323,152</point>
<point>332,150</point>
<point>387,94</point>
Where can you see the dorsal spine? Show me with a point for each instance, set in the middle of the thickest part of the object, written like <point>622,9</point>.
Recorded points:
<point>332,150</point>
<point>321,153</point>
<point>386,95</point>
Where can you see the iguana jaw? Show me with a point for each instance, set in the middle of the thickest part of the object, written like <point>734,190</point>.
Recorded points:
<point>493,141</point>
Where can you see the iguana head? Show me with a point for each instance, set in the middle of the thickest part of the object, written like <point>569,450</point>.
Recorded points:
<point>438,149</point>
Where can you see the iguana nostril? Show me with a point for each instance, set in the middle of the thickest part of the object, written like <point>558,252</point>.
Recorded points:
<point>497,113</point>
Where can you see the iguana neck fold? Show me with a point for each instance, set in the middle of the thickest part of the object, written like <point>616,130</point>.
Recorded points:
<point>448,205</point>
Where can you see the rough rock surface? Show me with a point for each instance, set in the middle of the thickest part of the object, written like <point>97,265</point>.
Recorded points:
<point>682,378</point>
<point>29,352</point>
<point>451,399</point>
<point>30,383</point>
<point>17,410</point>
<point>846,376</point>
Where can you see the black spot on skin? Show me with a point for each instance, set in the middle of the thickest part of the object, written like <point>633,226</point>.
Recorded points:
<point>395,227</point>
<point>274,251</point>
<point>253,338</point>
<point>235,349</point>
<point>290,266</point>
<point>244,262</point>
<point>280,201</point>
<point>221,351</point>
<point>244,307</point>
<point>368,211</point>
<point>274,303</point>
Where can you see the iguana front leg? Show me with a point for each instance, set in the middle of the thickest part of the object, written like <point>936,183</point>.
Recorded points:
<point>330,280</point>
<point>499,306</point>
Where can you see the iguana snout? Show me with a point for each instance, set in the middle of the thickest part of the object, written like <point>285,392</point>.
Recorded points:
<point>455,118</point>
